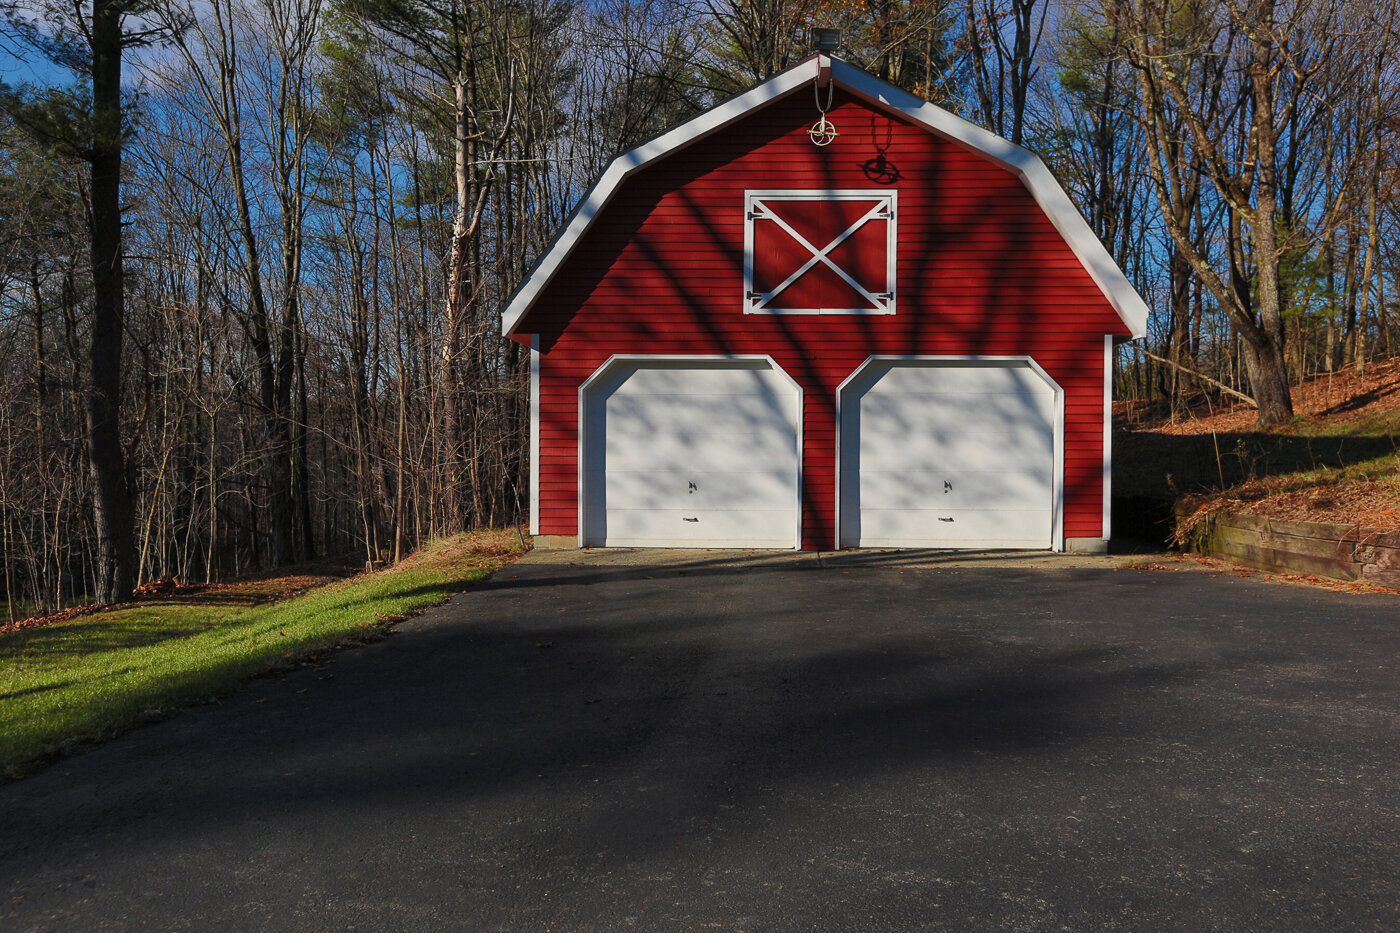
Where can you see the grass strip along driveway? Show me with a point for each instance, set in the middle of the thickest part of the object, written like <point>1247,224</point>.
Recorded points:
<point>67,685</point>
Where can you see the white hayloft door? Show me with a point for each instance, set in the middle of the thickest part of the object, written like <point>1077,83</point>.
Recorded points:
<point>949,453</point>
<point>690,453</point>
<point>819,252</point>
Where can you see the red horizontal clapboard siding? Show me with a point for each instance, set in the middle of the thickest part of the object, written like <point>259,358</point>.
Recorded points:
<point>980,271</point>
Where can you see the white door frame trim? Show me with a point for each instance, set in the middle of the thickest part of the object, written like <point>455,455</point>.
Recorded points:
<point>1107,531</point>
<point>1057,531</point>
<point>714,359</point>
<point>534,434</point>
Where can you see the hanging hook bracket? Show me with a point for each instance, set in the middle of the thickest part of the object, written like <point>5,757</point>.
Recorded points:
<point>823,132</point>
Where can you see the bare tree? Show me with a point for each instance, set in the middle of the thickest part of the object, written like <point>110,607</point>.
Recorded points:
<point>1003,41</point>
<point>1240,127</point>
<point>91,41</point>
<point>213,66</point>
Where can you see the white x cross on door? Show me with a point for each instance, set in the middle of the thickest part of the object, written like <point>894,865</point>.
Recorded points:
<point>819,252</point>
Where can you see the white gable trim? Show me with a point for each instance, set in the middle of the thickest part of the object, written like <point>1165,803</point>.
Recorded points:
<point>1041,184</point>
<point>1037,178</point>
<point>629,162</point>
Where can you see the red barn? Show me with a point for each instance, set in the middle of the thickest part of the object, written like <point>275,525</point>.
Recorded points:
<point>902,337</point>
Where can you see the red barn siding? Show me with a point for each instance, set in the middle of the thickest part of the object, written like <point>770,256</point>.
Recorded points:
<point>980,271</point>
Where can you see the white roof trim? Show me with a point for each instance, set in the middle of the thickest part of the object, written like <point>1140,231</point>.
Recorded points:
<point>1043,187</point>
<point>627,163</point>
<point>1037,178</point>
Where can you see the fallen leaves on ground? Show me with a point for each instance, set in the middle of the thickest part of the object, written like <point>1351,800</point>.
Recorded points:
<point>1358,494</point>
<point>1336,398</point>
<point>1322,583</point>
<point>49,618</point>
<point>253,591</point>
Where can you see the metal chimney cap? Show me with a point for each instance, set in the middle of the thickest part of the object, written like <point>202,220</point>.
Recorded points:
<point>825,40</point>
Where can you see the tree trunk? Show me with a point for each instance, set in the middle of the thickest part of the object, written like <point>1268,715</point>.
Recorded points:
<point>276,447</point>
<point>1268,381</point>
<point>303,469</point>
<point>458,289</point>
<point>1178,346</point>
<point>112,509</point>
<point>1358,356</point>
<point>1269,370</point>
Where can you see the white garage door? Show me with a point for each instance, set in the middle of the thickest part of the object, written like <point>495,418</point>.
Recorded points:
<point>948,454</point>
<point>691,454</point>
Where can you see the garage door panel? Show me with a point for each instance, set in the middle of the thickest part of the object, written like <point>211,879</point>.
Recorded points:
<point>948,453</point>
<point>1011,400</point>
<point>891,445</point>
<point>951,527</point>
<point>956,460</point>
<point>741,378</point>
<point>688,413</point>
<point>705,451</point>
<point>682,454</point>
<point>955,489</point>
<point>996,414</point>
<point>699,528</point>
<point>996,409</point>
<point>697,489</point>
<point>962,378</point>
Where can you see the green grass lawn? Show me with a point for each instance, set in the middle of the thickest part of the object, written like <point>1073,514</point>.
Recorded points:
<point>71,684</point>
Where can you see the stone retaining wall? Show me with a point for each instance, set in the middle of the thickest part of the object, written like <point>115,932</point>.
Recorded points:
<point>1319,549</point>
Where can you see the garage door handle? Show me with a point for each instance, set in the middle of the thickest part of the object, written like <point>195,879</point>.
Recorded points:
<point>945,519</point>
<point>690,519</point>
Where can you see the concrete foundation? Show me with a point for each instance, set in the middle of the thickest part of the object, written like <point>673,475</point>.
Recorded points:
<point>555,542</point>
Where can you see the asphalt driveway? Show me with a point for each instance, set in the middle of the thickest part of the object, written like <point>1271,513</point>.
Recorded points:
<point>590,742</point>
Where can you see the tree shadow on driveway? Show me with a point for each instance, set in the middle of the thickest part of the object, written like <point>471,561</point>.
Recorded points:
<point>449,712</point>
<point>610,738</point>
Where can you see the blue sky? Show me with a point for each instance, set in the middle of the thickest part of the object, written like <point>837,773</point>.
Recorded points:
<point>18,65</point>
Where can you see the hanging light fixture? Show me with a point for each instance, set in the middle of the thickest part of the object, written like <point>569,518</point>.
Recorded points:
<point>825,40</point>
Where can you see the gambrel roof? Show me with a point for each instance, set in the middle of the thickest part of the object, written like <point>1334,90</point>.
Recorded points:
<point>1041,184</point>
